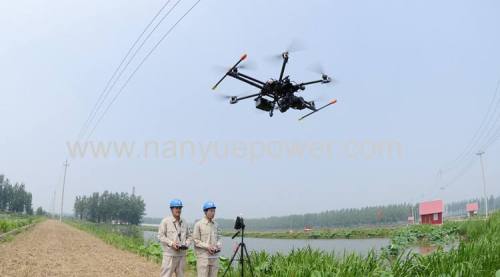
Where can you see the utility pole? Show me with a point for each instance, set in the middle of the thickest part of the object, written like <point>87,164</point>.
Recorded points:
<point>66,164</point>
<point>53,210</point>
<point>480,154</point>
<point>442,188</point>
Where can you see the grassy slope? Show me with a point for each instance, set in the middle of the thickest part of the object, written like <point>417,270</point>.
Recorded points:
<point>478,254</point>
<point>130,239</point>
<point>10,222</point>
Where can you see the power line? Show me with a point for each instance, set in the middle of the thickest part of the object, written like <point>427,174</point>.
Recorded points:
<point>461,173</point>
<point>139,66</point>
<point>493,139</point>
<point>493,136</point>
<point>112,81</point>
<point>483,138</point>
<point>479,133</point>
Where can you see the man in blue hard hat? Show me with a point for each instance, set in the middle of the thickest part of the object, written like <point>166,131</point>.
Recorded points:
<point>207,242</point>
<point>175,238</point>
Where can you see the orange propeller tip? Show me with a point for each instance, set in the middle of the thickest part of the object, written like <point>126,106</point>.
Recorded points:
<point>333,101</point>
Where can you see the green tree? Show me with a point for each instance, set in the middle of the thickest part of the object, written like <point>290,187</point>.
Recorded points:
<point>40,211</point>
<point>109,207</point>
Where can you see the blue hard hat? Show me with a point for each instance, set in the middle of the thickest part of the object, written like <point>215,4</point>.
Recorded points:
<point>175,203</point>
<point>208,205</point>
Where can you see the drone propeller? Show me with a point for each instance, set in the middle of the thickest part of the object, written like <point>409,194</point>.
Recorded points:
<point>248,65</point>
<point>318,68</point>
<point>233,99</point>
<point>320,108</point>
<point>233,67</point>
<point>294,46</point>
<point>320,98</point>
<point>225,97</point>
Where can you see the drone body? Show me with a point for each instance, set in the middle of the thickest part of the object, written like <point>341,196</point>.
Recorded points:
<point>276,94</point>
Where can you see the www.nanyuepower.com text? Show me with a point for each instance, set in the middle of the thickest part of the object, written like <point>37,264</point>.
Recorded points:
<point>206,151</point>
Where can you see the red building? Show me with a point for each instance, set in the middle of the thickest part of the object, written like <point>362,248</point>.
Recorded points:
<point>431,212</point>
<point>472,209</point>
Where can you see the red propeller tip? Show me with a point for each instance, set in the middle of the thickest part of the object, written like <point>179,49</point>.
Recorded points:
<point>333,101</point>
<point>243,57</point>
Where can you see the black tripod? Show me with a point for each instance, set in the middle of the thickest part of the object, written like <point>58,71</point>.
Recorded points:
<point>242,249</point>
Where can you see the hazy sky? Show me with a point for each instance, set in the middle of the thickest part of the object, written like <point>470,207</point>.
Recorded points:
<point>418,75</point>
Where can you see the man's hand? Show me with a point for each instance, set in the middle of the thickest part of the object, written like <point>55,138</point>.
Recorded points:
<point>175,245</point>
<point>212,250</point>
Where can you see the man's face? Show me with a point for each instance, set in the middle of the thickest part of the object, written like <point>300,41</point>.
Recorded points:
<point>176,211</point>
<point>210,213</point>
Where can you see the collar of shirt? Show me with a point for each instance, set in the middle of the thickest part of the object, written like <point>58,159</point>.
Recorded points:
<point>175,220</point>
<point>206,221</point>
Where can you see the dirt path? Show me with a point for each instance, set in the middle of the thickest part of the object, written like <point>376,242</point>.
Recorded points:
<point>55,249</point>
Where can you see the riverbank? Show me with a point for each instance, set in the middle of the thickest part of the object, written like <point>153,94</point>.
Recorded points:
<point>477,254</point>
<point>339,233</point>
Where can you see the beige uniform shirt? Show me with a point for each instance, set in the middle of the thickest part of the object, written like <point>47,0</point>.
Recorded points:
<point>205,234</point>
<point>170,232</point>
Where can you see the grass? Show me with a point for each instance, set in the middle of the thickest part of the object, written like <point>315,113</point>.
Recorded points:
<point>9,222</point>
<point>126,237</point>
<point>129,238</point>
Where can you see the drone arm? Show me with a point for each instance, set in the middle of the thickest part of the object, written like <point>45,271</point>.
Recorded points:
<point>312,82</point>
<point>285,61</point>
<point>243,79</point>
<point>246,97</point>
<point>250,78</point>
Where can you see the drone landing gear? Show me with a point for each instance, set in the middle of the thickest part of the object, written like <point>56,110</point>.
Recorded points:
<point>272,110</point>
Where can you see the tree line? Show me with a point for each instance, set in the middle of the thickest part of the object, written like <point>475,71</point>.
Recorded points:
<point>14,197</point>
<point>376,215</point>
<point>110,207</point>
<point>389,214</point>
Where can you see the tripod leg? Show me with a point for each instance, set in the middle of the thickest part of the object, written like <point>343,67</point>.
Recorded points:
<point>231,261</point>
<point>249,261</point>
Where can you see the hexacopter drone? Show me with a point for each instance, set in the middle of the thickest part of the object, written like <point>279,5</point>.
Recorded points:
<point>276,94</point>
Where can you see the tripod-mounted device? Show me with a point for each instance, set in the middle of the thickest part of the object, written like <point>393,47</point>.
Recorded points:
<point>276,94</point>
<point>241,249</point>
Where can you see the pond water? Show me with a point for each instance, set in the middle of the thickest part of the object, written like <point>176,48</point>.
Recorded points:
<point>361,246</point>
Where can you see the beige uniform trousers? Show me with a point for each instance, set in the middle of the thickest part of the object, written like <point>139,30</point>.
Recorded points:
<point>173,266</point>
<point>207,267</point>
